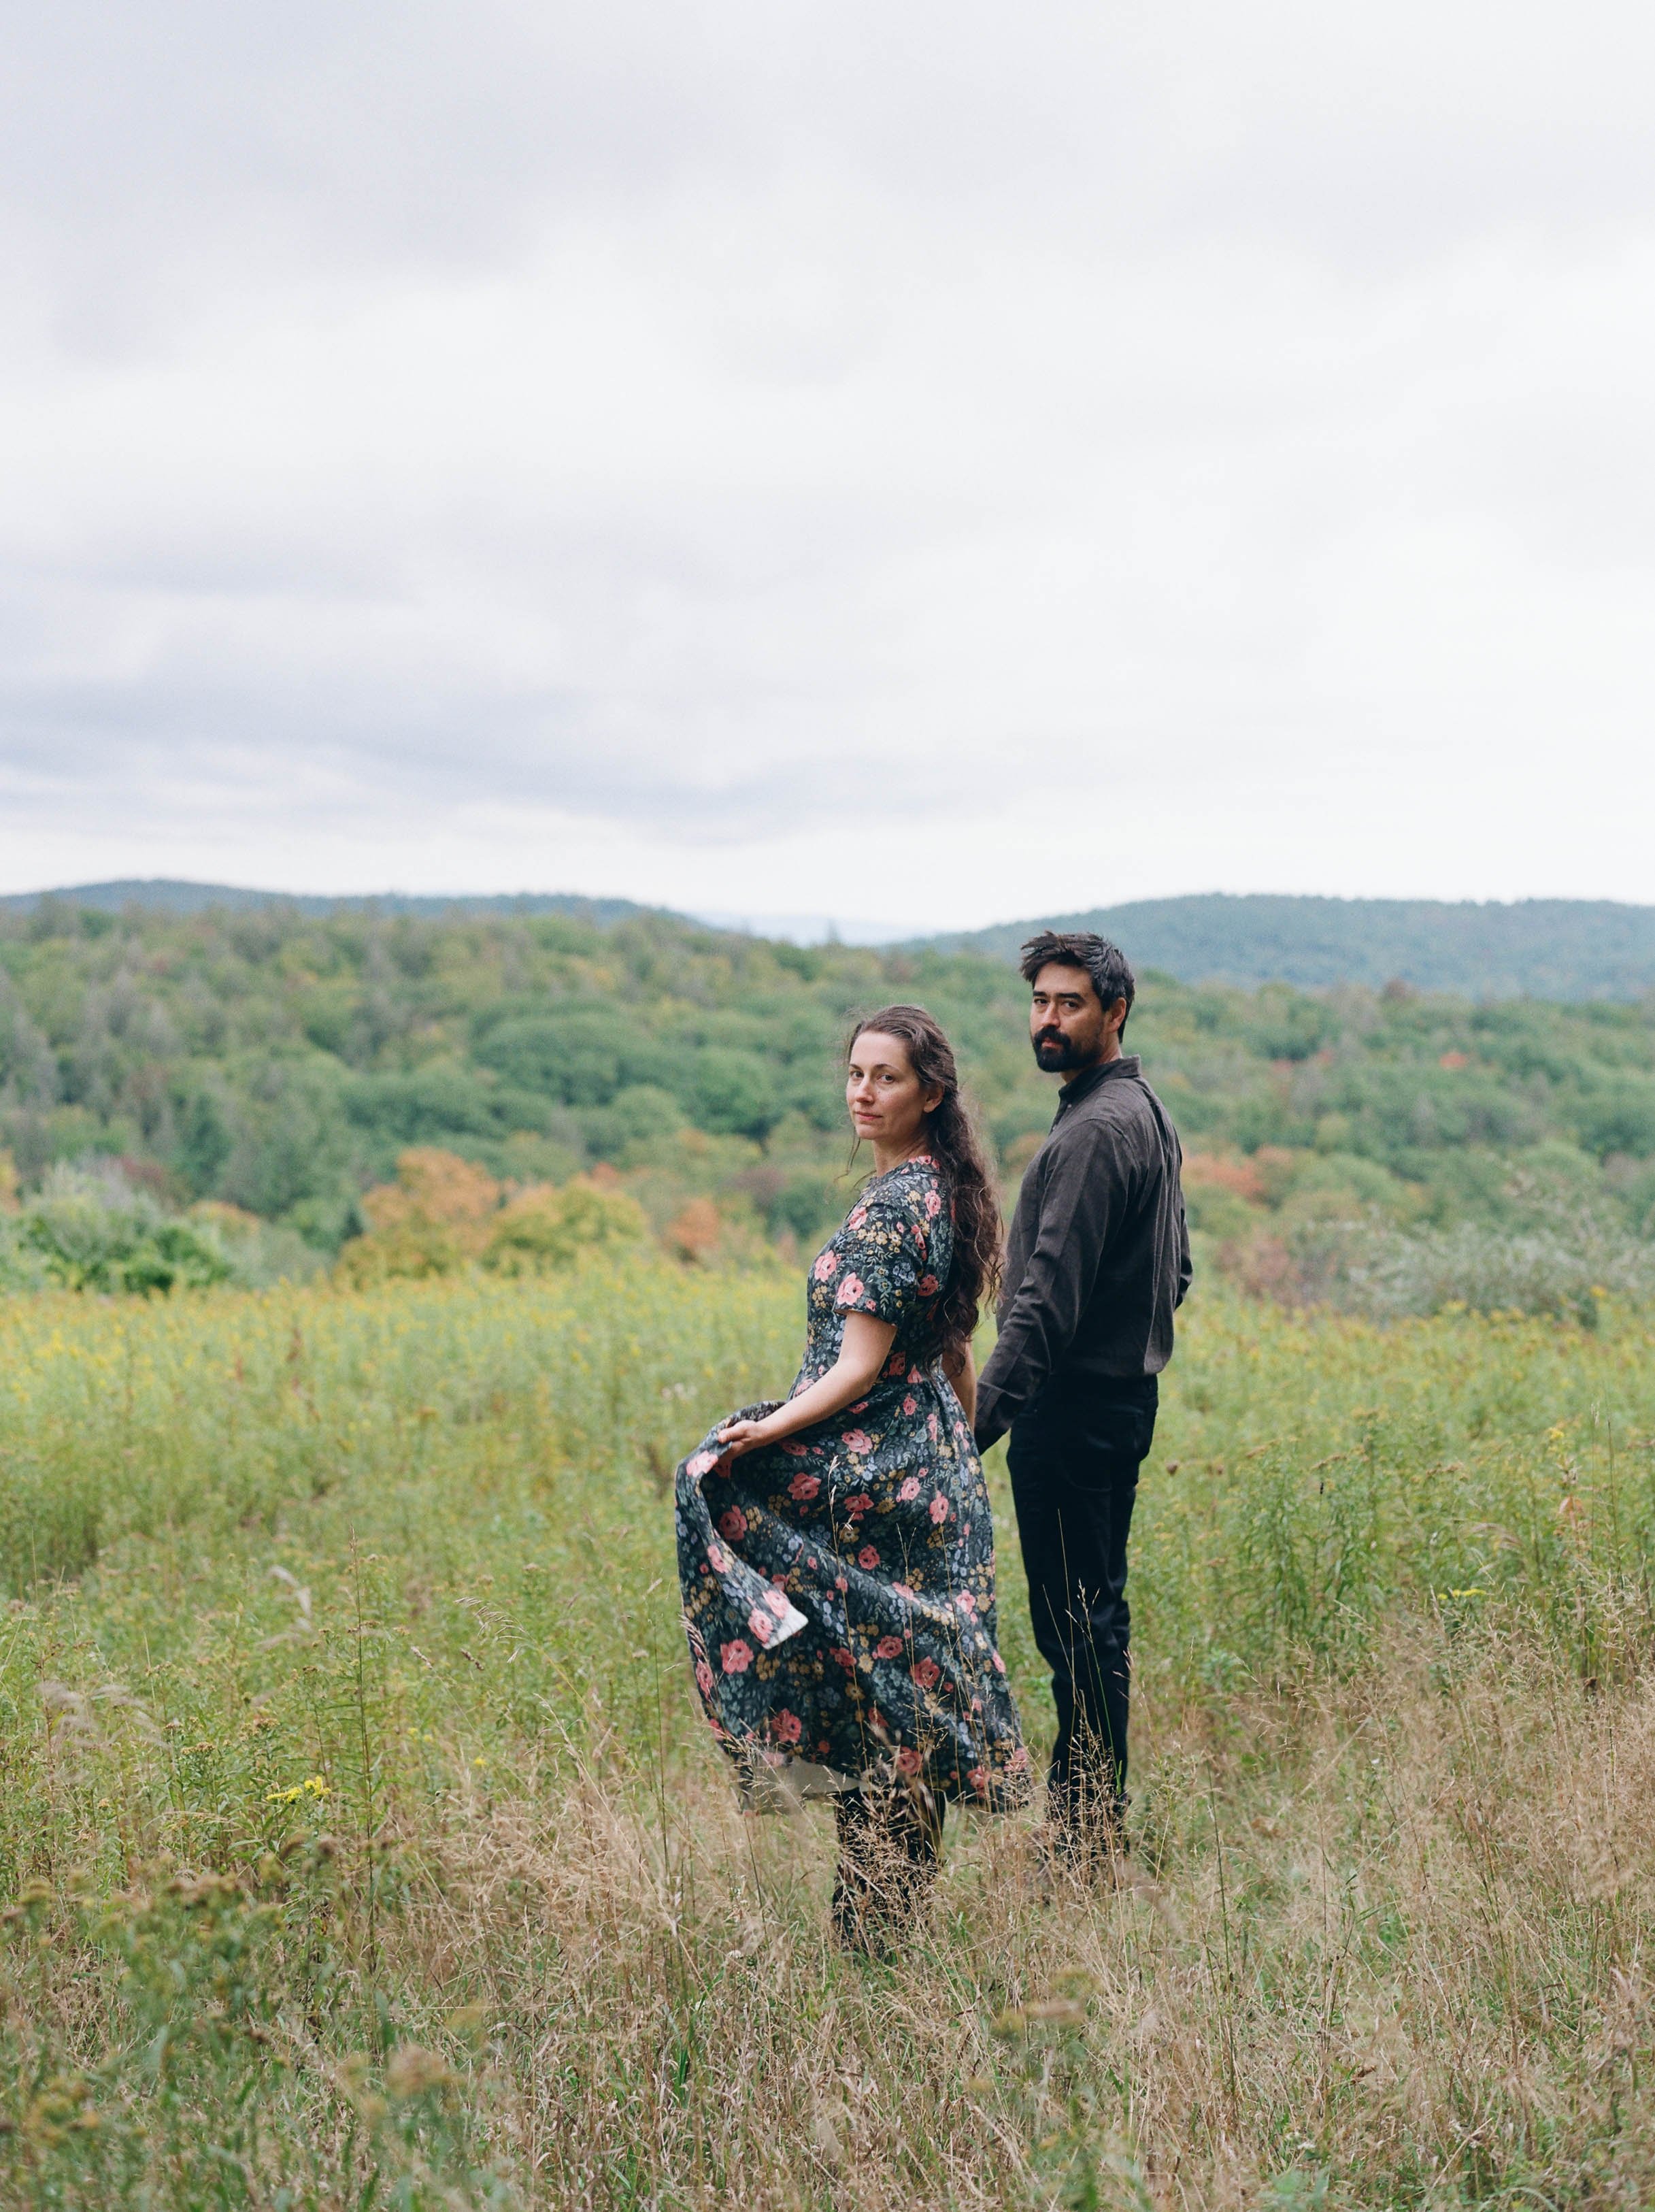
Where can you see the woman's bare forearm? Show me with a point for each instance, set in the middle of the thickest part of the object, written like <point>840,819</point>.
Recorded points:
<point>844,1381</point>
<point>962,1373</point>
<point>862,1352</point>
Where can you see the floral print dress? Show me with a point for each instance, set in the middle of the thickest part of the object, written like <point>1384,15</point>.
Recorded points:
<point>838,1587</point>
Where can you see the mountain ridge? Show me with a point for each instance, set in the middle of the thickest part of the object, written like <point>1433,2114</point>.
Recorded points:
<point>174,895</point>
<point>1552,949</point>
<point>1527,948</point>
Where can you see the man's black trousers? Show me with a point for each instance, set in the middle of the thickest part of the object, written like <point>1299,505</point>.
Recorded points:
<point>1073,1457</point>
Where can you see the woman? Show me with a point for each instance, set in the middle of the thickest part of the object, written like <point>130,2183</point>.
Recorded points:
<point>836,1551</point>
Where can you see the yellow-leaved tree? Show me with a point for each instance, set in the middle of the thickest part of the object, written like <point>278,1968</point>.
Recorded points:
<point>545,1227</point>
<point>433,1220</point>
<point>443,1214</point>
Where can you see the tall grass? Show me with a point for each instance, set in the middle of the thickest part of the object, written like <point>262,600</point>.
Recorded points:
<point>364,1848</point>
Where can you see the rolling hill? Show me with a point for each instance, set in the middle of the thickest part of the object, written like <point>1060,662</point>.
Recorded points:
<point>1533,948</point>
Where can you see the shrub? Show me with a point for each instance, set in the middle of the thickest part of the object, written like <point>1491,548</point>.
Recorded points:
<point>443,1214</point>
<point>429,1222</point>
<point>1366,1265</point>
<point>695,1232</point>
<point>86,1229</point>
<point>259,1253</point>
<point>542,1228</point>
<point>1539,1271</point>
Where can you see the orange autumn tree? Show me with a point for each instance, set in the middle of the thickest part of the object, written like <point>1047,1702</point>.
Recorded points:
<point>443,1213</point>
<point>545,1227</point>
<point>433,1220</point>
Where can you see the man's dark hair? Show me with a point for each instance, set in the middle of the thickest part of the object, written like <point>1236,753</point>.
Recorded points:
<point>1106,963</point>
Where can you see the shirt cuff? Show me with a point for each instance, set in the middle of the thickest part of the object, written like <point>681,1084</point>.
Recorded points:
<point>991,1423</point>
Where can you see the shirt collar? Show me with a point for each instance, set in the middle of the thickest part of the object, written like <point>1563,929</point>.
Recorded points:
<point>1129,1063</point>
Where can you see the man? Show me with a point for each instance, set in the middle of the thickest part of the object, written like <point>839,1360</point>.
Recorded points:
<point>1097,1260</point>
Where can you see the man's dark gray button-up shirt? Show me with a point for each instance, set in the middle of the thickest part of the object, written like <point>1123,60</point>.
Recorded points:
<point>1099,1255</point>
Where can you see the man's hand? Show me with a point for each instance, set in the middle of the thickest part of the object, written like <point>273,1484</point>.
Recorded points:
<point>985,1435</point>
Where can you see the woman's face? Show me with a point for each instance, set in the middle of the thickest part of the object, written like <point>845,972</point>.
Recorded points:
<point>886,1100</point>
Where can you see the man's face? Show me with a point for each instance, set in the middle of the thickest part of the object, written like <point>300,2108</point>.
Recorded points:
<point>1068,1024</point>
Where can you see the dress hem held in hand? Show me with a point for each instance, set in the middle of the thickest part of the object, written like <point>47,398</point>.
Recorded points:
<point>838,1587</point>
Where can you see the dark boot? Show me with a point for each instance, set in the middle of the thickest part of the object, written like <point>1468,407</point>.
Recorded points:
<point>890,1845</point>
<point>1085,1833</point>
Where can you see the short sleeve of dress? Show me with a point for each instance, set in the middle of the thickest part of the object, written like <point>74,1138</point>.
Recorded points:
<point>883,1261</point>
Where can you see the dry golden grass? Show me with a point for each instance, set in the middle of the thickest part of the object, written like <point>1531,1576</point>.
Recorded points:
<point>1382,1943</point>
<point>366,1849</point>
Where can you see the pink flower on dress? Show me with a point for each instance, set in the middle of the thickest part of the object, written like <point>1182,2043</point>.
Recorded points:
<point>779,1604</point>
<point>738,1657</point>
<point>867,1557</point>
<point>860,1504</point>
<point>805,1487</point>
<point>896,1362</point>
<point>858,1215</point>
<point>888,1647</point>
<point>930,1424</point>
<point>704,1678</point>
<point>857,1440</point>
<point>999,1663</point>
<point>966,1602</point>
<point>927,1673</point>
<point>760,1624</point>
<point>840,1582</point>
<point>902,1590</point>
<point>850,1291</point>
<point>717,1557</point>
<point>928,1287</point>
<point>939,1509</point>
<point>826,1267</point>
<point>843,1658</point>
<point>732,1523</point>
<point>910,1406</point>
<point>702,1462</point>
<point>978,1779</point>
<point>908,1761</point>
<point>1018,1761</point>
<point>786,1727</point>
<point>933,1204</point>
<point>910,1489</point>
<point>797,1451</point>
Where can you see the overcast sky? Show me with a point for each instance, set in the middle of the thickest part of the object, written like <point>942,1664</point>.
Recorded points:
<point>920,462</point>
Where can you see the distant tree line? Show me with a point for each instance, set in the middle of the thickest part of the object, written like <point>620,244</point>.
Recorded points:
<point>1528,948</point>
<point>283,1062</point>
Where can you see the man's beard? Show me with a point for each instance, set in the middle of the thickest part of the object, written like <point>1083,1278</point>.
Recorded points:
<point>1054,1052</point>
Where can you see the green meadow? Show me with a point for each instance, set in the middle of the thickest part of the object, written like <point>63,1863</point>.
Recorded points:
<point>361,1844</point>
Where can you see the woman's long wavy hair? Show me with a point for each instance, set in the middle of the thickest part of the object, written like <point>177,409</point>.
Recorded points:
<point>967,1182</point>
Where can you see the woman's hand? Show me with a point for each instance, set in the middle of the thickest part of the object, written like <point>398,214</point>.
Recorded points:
<point>745,1437</point>
<point>863,1348</point>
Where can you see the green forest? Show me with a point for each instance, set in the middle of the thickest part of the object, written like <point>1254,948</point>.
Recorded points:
<point>279,1063</point>
<point>1488,949</point>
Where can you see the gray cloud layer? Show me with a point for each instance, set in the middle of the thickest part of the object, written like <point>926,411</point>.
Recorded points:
<point>696,451</point>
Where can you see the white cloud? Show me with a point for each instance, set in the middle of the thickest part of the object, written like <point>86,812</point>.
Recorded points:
<point>937,465</point>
